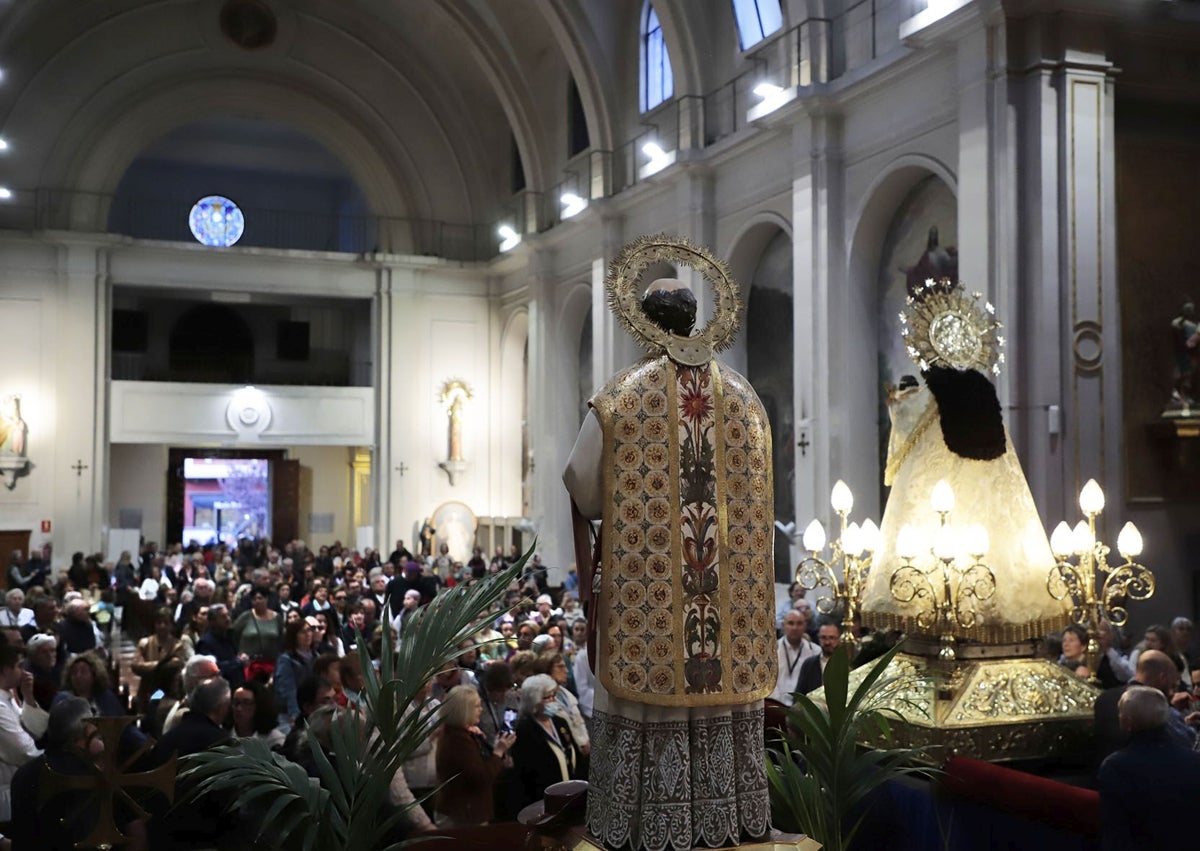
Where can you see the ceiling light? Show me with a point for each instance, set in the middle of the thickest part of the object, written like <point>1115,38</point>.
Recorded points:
<point>766,91</point>
<point>3,144</point>
<point>5,193</point>
<point>509,238</point>
<point>572,204</point>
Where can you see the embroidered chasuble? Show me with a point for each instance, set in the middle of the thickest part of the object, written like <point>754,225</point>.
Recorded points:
<point>674,459</point>
<point>685,604</point>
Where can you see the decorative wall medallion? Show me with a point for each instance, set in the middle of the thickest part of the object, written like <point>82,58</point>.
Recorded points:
<point>1087,345</point>
<point>248,413</point>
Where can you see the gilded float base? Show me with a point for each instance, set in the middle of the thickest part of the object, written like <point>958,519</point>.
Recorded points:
<point>991,709</point>
<point>777,842</point>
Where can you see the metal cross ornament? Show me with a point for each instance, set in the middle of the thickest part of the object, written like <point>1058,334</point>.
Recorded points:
<point>110,782</point>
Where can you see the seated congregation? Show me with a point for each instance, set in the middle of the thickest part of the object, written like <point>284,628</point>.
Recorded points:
<point>259,644</point>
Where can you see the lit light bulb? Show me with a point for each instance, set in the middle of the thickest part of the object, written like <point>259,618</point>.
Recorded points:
<point>814,537</point>
<point>977,541</point>
<point>942,499</point>
<point>1129,541</point>
<point>5,193</point>
<point>1082,539</point>
<point>945,543</point>
<point>1061,542</point>
<point>908,543</point>
<point>841,499</point>
<point>1091,499</point>
<point>3,144</point>
<point>852,540</point>
<point>870,535</point>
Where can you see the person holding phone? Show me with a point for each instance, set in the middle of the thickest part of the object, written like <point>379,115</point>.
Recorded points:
<point>466,766</point>
<point>498,699</point>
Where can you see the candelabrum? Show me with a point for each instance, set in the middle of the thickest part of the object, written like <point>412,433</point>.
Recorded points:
<point>948,587</point>
<point>1096,590</point>
<point>851,552</point>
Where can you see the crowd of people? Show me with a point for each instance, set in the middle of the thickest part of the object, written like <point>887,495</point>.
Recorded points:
<point>257,642</point>
<point>262,643</point>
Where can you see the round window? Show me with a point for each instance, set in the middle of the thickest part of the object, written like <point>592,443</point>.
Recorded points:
<point>216,221</point>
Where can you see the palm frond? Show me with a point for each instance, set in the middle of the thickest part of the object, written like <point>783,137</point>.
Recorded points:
<point>347,811</point>
<point>820,777</point>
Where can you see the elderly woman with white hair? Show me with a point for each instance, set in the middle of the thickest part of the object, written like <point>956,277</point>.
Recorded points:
<point>545,753</point>
<point>14,615</point>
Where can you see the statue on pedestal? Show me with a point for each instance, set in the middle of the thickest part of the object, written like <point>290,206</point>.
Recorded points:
<point>675,458</point>
<point>1185,338</point>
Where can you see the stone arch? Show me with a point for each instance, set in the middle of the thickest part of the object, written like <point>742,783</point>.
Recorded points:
<point>574,324</point>
<point>107,147</point>
<point>585,57</point>
<point>877,218</point>
<point>761,259</point>
<point>211,343</point>
<point>512,400</point>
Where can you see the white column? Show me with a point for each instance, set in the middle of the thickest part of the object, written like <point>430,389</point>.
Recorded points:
<point>81,348</point>
<point>386,528</point>
<point>821,322</point>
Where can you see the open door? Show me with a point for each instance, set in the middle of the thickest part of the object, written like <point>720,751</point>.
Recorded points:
<point>12,539</point>
<point>285,501</point>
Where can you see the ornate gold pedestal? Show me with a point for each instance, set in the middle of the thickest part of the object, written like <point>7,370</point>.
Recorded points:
<point>778,842</point>
<point>989,703</point>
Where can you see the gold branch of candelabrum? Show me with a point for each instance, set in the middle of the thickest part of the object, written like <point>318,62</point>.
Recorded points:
<point>948,589</point>
<point>849,555</point>
<point>1096,590</point>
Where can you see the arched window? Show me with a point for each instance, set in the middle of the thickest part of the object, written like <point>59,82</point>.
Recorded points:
<point>756,19</point>
<point>658,83</point>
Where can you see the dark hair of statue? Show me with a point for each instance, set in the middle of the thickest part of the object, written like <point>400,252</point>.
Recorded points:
<point>972,424</point>
<point>671,310</point>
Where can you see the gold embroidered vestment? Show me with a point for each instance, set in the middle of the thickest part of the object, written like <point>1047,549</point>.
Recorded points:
<point>685,605</point>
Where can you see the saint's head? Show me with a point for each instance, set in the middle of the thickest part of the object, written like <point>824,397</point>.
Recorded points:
<point>671,305</point>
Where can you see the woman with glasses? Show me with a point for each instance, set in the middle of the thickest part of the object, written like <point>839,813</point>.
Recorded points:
<point>545,752</point>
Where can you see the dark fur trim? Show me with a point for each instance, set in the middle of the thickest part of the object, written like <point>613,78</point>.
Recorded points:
<point>972,423</point>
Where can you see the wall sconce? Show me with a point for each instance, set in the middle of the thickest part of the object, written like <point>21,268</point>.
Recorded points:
<point>454,395</point>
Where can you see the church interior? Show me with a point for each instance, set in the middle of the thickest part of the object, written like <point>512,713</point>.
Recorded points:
<point>334,272</point>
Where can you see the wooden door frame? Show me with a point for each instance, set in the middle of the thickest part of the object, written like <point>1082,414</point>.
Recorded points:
<point>175,480</point>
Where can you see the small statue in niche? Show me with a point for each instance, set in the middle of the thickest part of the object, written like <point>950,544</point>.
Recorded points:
<point>14,432</point>
<point>1185,338</point>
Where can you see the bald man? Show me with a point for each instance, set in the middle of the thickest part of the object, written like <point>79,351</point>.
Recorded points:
<point>1146,785</point>
<point>1154,669</point>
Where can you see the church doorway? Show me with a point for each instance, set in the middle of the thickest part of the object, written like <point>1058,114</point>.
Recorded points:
<point>224,495</point>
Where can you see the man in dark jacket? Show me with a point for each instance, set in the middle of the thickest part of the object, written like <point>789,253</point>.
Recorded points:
<point>1147,784</point>
<point>218,642</point>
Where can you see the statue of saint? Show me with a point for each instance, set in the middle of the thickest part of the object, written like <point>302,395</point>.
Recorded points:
<point>675,458</point>
<point>13,429</point>
<point>1185,334</point>
<point>951,429</point>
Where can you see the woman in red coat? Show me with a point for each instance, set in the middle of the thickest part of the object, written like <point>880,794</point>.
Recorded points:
<point>464,759</point>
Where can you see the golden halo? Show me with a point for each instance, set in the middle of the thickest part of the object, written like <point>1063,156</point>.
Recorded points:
<point>624,275</point>
<point>943,326</point>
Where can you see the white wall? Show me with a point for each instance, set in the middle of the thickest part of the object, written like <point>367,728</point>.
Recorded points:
<point>138,479</point>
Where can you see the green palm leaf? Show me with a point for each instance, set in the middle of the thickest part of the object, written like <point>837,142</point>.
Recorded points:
<point>819,776</point>
<point>347,810</point>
